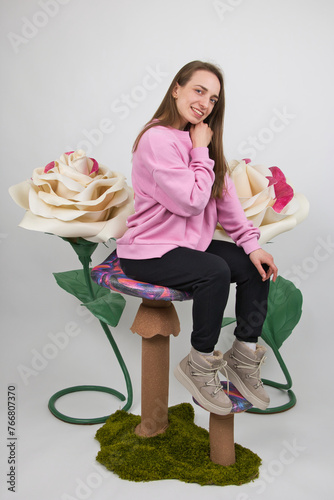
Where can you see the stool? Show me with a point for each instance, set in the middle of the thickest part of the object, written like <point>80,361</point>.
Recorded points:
<point>155,321</point>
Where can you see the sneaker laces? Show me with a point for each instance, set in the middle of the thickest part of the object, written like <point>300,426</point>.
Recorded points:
<point>244,365</point>
<point>201,371</point>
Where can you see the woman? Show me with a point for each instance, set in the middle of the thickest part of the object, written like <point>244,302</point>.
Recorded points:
<point>182,189</point>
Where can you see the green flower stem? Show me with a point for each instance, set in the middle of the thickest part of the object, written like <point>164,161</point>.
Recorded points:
<point>277,385</point>
<point>85,260</point>
<point>85,263</point>
<point>84,250</point>
<point>128,404</point>
<point>288,379</point>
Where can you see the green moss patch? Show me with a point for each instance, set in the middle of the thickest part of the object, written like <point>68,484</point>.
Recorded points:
<point>182,452</point>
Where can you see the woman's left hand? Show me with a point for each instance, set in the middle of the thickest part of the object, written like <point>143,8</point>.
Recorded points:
<point>259,257</point>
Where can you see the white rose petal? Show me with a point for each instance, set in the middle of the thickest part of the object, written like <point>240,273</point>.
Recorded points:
<point>75,197</point>
<point>56,180</point>
<point>257,198</point>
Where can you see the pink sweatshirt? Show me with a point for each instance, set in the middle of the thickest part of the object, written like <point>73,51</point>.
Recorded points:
<point>173,208</point>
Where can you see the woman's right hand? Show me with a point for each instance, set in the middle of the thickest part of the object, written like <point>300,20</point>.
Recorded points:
<point>200,135</point>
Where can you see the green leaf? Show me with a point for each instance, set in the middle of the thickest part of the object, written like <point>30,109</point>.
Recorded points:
<point>227,321</point>
<point>107,308</point>
<point>284,312</point>
<point>74,282</point>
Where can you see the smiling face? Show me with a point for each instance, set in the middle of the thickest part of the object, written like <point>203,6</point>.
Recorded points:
<point>197,98</point>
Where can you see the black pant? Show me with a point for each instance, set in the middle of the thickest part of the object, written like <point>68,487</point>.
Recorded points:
<point>207,275</point>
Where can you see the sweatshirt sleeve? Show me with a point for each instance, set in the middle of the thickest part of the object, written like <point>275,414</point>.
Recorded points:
<point>181,184</point>
<point>232,218</point>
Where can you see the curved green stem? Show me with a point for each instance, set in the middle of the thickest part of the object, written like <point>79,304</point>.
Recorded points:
<point>85,260</point>
<point>84,250</point>
<point>122,365</point>
<point>277,385</point>
<point>285,371</point>
<point>80,388</point>
<point>69,390</point>
<point>85,264</point>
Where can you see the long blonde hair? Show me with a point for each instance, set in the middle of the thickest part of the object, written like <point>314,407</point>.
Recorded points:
<point>167,114</point>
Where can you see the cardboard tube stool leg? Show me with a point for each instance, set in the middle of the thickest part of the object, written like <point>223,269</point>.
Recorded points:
<point>155,322</point>
<point>221,430</point>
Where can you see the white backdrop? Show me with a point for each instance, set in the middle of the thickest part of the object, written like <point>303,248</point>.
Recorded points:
<point>90,74</point>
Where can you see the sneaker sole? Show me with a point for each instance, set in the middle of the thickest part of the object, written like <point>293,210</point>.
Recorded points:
<point>188,384</point>
<point>244,391</point>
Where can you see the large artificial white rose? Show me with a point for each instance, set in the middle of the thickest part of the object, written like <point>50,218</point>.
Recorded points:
<point>75,197</point>
<point>268,200</point>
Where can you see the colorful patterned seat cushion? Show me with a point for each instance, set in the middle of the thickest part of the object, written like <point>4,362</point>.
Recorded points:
<point>110,275</point>
<point>239,403</point>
